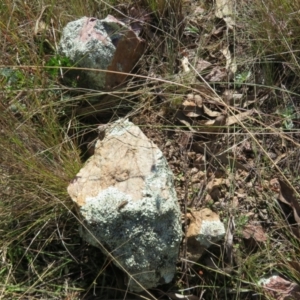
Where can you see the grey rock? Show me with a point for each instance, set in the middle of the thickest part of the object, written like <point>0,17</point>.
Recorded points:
<point>127,200</point>
<point>106,44</point>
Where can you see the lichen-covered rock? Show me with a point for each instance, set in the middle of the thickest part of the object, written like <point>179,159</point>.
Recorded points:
<point>205,229</point>
<point>126,197</point>
<point>106,44</point>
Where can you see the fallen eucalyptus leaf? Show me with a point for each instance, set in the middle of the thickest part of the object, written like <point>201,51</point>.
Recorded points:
<point>238,118</point>
<point>230,63</point>
<point>187,124</point>
<point>210,112</point>
<point>207,126</point>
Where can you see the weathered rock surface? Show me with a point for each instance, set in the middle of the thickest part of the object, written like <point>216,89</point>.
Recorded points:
<point>126,197</point>
<point>205,229</point>
<point>280,289</point>
<point>106,44</point>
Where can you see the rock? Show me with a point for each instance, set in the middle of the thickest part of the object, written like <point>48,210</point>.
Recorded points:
<point>280,289</point>
<point>204,230</point>
<point>127,200</point>
<point>106,44</point>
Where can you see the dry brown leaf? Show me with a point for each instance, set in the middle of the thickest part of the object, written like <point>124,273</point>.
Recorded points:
<point>255,232</point>
<point>230,63</point>
<point>208,123</point>
<point>217,74</point>
<point>197,99</point>
<point>187,124</point>
<point>207,126</point>
<point>207,95</point>
<point>214,183</point>
<point>202,65</point>
<point>190,109</point>
<point>224,10</point>
<point>286,195</point>
<point>238,118</point>
<point>218,31</point>
<point>188,103</point>
<point>191,112</point>
<point>213,189</point>
<point>210,112</point>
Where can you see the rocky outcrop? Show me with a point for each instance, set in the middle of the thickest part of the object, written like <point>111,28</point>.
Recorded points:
<point>99,46</point>
<point>127,201</point>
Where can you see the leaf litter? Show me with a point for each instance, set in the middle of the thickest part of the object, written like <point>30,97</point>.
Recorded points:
<point>224,168</point>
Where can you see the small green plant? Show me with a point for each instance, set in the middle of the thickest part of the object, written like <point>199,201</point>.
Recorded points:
<point>288,114</point>
<point>55,63</point>
<point>241,78</point>
<point>191,30</point>
<point>11,77</point>
<point>240,223</point>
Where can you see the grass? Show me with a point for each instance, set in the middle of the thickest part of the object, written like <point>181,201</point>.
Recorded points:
<point>45,127</point>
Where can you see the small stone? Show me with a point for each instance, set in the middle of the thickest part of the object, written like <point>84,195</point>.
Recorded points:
<point>204,230</point>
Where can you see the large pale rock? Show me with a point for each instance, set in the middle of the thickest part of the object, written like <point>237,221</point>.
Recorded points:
<point>106,44</point>
<point>204,230</point>
<point>126,197</point>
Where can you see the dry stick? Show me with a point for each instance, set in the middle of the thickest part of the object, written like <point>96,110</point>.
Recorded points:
<point>249,132</point>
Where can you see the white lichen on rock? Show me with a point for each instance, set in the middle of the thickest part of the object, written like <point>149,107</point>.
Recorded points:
<point>145,233</point>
